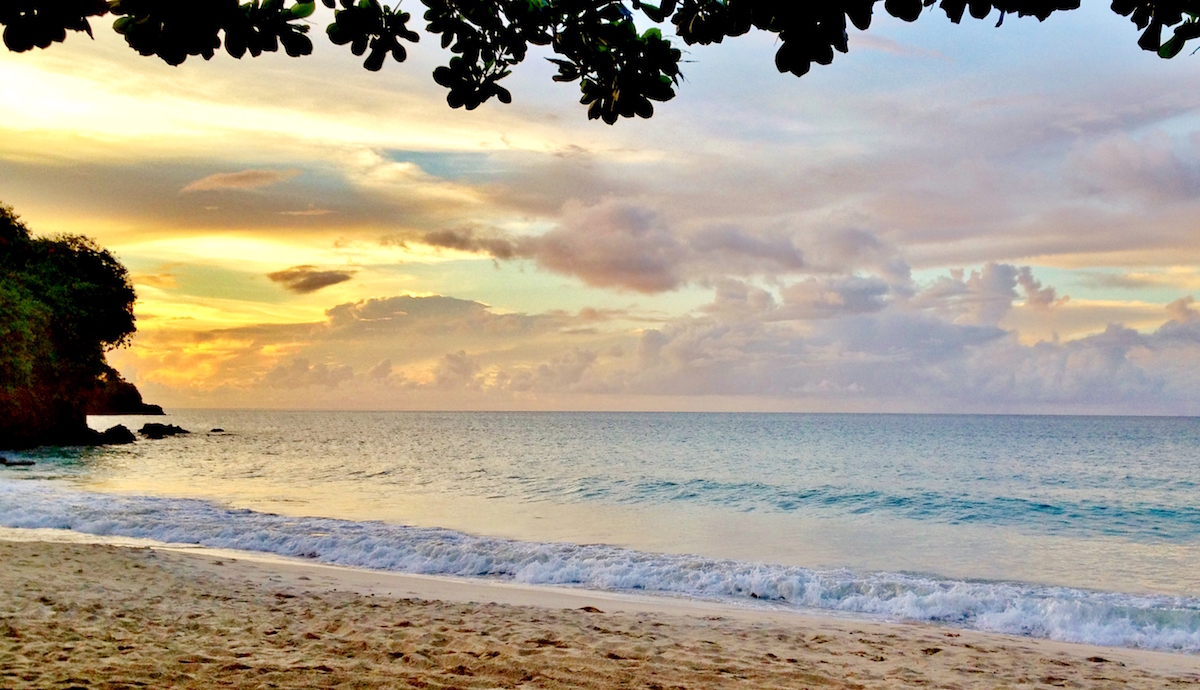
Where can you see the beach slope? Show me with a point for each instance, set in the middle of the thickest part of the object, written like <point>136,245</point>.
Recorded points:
<point>97,616</point>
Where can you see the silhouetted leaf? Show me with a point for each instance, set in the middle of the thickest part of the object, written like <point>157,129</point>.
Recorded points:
<point>596,42</point>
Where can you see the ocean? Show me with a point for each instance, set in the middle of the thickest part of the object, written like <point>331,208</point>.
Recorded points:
<point>1082,529</point>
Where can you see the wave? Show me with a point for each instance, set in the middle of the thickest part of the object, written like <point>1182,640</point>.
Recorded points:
<point>1067,614</point>
<point>1142,521</point>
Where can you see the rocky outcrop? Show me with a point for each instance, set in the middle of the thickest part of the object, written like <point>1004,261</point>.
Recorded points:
<point>115,395</point>
<point>153,430</point>
<point>60,420</point>
<point>116,435</point>
<point>73,435</point>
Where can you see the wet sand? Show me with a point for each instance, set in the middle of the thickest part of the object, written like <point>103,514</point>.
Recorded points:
<point>98,616</point>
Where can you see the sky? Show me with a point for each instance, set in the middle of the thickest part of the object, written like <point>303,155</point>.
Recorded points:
<point>946,219</point>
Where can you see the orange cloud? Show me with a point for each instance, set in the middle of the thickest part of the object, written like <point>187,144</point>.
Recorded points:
<point>246,179</point>
<point>155,280</point>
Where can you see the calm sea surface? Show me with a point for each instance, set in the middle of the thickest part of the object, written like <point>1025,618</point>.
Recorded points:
<point>1074,528</point>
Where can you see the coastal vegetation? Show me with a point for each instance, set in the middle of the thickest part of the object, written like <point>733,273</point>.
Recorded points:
<point>620,68</point>
<point>64,302</point>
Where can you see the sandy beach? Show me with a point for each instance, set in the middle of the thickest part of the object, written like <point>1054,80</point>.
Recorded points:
<point>101,616</point>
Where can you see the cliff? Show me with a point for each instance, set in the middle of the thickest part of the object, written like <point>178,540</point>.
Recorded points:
<point>114,395</point>
<point>64,302</point>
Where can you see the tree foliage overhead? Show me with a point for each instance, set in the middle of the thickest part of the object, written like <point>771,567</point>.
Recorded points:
<point>620,68</point>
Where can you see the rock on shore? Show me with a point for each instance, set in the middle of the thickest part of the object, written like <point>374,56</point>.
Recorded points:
<point>154,430</point>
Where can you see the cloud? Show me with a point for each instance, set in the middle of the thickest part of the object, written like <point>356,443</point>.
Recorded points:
<point>1124,281</point>
<point>613,245</point>
<point>801,207</point>
<point>999,167</point>
<point>1119,167</point>
<point>403,313</point>
<point>1037,296</point>
<point>620,245</point>
<point>303,280</point>
<point>981,297</point>
<point>309,212</point>
<point>467,240</point>
<point>917,362</point>
<point>1176,277</point>
<point>1182,311</point>
<point>246,179</point>
<point>399,185</point>
<point>992,170</point>
<point>844,250</point>
<point>163,280</point>
<point>562,373</point>
<point>874,357</point>
<point>735,300</point>
<point>821,298</point>
<point>380,371</point>
<point>457,370</point>
<point>298,373</point>
<point>889,45</point>
<point>835,342</point>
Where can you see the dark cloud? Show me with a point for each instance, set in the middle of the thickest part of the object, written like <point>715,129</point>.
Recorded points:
<point>822,298</point>
<point>468,240</point>
<point>629,247</point>
<point>613,245</point>
<point>305,279</point>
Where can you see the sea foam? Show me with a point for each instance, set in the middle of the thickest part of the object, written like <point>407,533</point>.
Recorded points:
<point>1067,614</point>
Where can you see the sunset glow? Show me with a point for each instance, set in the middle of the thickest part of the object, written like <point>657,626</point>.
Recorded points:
<point>945,219</point>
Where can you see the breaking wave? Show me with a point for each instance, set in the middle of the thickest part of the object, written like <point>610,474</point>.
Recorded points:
<point>1068,614</point>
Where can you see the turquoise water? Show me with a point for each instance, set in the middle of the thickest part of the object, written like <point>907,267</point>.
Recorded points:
<point>1077,528</point>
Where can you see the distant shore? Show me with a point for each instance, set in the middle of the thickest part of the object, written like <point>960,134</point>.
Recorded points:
<point>117,615</point>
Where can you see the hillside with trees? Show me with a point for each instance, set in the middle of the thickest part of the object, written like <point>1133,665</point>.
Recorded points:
<point>64,302</point>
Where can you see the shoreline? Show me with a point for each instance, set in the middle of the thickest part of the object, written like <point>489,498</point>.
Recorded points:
<point>457,589</point>
<point>177,586</point>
